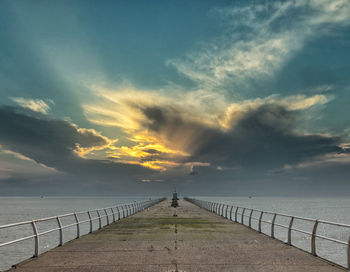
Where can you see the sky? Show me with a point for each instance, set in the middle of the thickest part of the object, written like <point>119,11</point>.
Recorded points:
<point>244,98</point>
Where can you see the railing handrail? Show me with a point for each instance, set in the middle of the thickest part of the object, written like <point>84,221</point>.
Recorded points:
<point>129,208</point>
<point>64,215</point>
<point>219,208</point>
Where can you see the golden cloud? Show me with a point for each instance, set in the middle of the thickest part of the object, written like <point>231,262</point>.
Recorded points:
<point>163,129</point>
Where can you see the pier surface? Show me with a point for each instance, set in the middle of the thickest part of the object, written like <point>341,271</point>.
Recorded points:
<point>194,240</point>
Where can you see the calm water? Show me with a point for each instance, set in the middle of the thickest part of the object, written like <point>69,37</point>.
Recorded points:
<point>20,209</point>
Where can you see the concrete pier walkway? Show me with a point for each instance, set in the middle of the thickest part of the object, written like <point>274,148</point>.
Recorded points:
<point>195,240</point>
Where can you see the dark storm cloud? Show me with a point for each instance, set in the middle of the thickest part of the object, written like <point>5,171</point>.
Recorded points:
<point>263,137</point>
<point>52,143</point>
<point>43,140</point>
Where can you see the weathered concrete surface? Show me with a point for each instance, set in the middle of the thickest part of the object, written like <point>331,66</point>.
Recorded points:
<point>195,240</point>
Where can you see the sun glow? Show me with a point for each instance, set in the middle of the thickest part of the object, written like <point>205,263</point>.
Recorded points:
<point>149,152</point>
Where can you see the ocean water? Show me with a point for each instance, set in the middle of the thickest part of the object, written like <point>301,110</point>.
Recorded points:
<point>17,209</point>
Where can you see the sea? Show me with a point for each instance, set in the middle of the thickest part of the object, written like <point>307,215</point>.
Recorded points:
<point>18,209</point>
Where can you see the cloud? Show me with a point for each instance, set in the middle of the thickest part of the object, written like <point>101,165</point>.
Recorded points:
<point>151,180</point>
<point>36,105</point>
<point>147,152</point>
<point>17,155</point>
<point>236,111</point>
<point>261,137</point>
<point>57,144</point>
<point>259,40</point>
<point>172,132</point>
<point>14,164</point>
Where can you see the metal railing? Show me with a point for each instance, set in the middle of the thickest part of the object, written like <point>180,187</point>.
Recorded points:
<point>238,214</point>
<point>111,214</point>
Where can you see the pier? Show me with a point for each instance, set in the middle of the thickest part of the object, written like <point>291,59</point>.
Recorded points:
<point>186,238</point>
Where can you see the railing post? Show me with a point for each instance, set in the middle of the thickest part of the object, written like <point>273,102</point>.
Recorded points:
<point>118,212</point>
<point>59,223</point>
<point>107,218</point>
<point>90,218</point>
<point>123,211</point>
<point>250,218</point>
<point>260,218</point>
<point>349,253</point>
<point>77,223</point>
<point>313,239</point>
<point>36,233</point>
<point>226,215</point>
<point>242,217</point>
<point>127,210</point>
<point>231,213</point>
<point>113,214</point>
<point>236,212</point>
<point>99,219</point>
<point>273,226</point>
<point>290,230</point>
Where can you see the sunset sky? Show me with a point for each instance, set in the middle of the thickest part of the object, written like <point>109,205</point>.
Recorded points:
<point>139,97</point>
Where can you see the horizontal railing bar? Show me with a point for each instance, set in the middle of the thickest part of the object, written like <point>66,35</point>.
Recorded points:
<point>334,223</point>
<point>85,221</point>
<point>15,224</point>
<point>48,231</point>
<point>60,216</point>
<point>17,240</point>
<point>302,231</point>
<point>288,215</point>
<point>68,226</point>
<point>331,239</point>
<point>53,217</point>
<point>82,212</point>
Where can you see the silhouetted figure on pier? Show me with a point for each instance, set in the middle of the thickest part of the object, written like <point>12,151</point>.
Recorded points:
<point>174,202</point>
